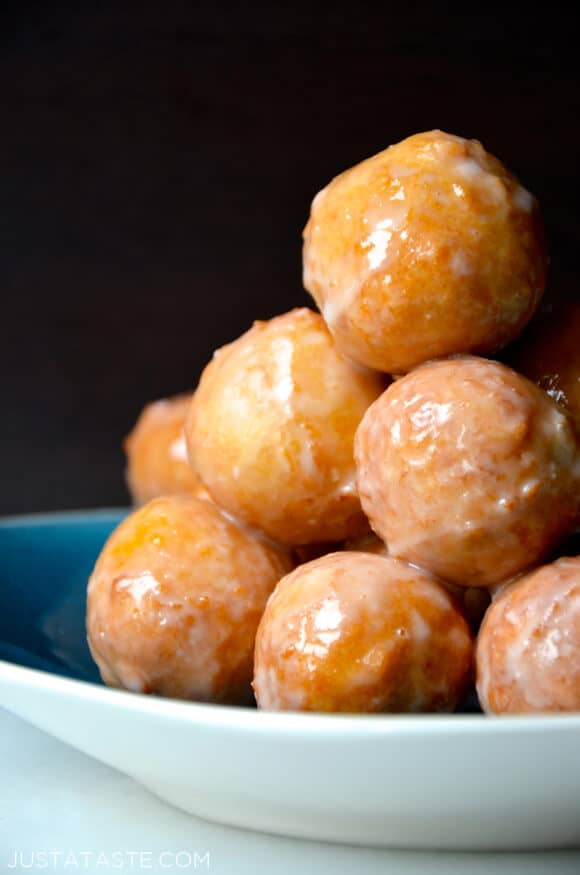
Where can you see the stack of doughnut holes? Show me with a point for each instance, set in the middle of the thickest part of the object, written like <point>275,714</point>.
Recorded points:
<point>367,508</point>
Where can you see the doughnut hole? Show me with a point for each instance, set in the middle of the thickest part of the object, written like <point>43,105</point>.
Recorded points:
<point>469,470</point>
<point>428,249</point>
<point>528,649</point>
<point>358,632</point>
<point>175,599</point>
<point>157,462</point>
<point>272,437</point>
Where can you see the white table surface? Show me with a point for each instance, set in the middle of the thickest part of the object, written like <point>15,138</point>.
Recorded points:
<point>93,819</point>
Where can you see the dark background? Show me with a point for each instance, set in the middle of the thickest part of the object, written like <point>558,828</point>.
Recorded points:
<point>157,165</point>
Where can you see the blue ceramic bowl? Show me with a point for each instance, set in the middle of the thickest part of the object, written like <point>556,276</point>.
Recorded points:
<point>45,562</point>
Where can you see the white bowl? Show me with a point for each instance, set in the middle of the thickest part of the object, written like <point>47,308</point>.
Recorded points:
<point>455,782</point>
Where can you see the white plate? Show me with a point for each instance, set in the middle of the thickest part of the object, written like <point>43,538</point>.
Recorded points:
<point>455,782</point>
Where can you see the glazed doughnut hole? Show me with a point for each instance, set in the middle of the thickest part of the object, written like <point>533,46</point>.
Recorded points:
<point>428,249</point>
<point>157,462</point>
<point>272,437</point>
<point>175,599</point>
<point>361,633</point>
<point>467,469</point>
<point>528,649</point>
